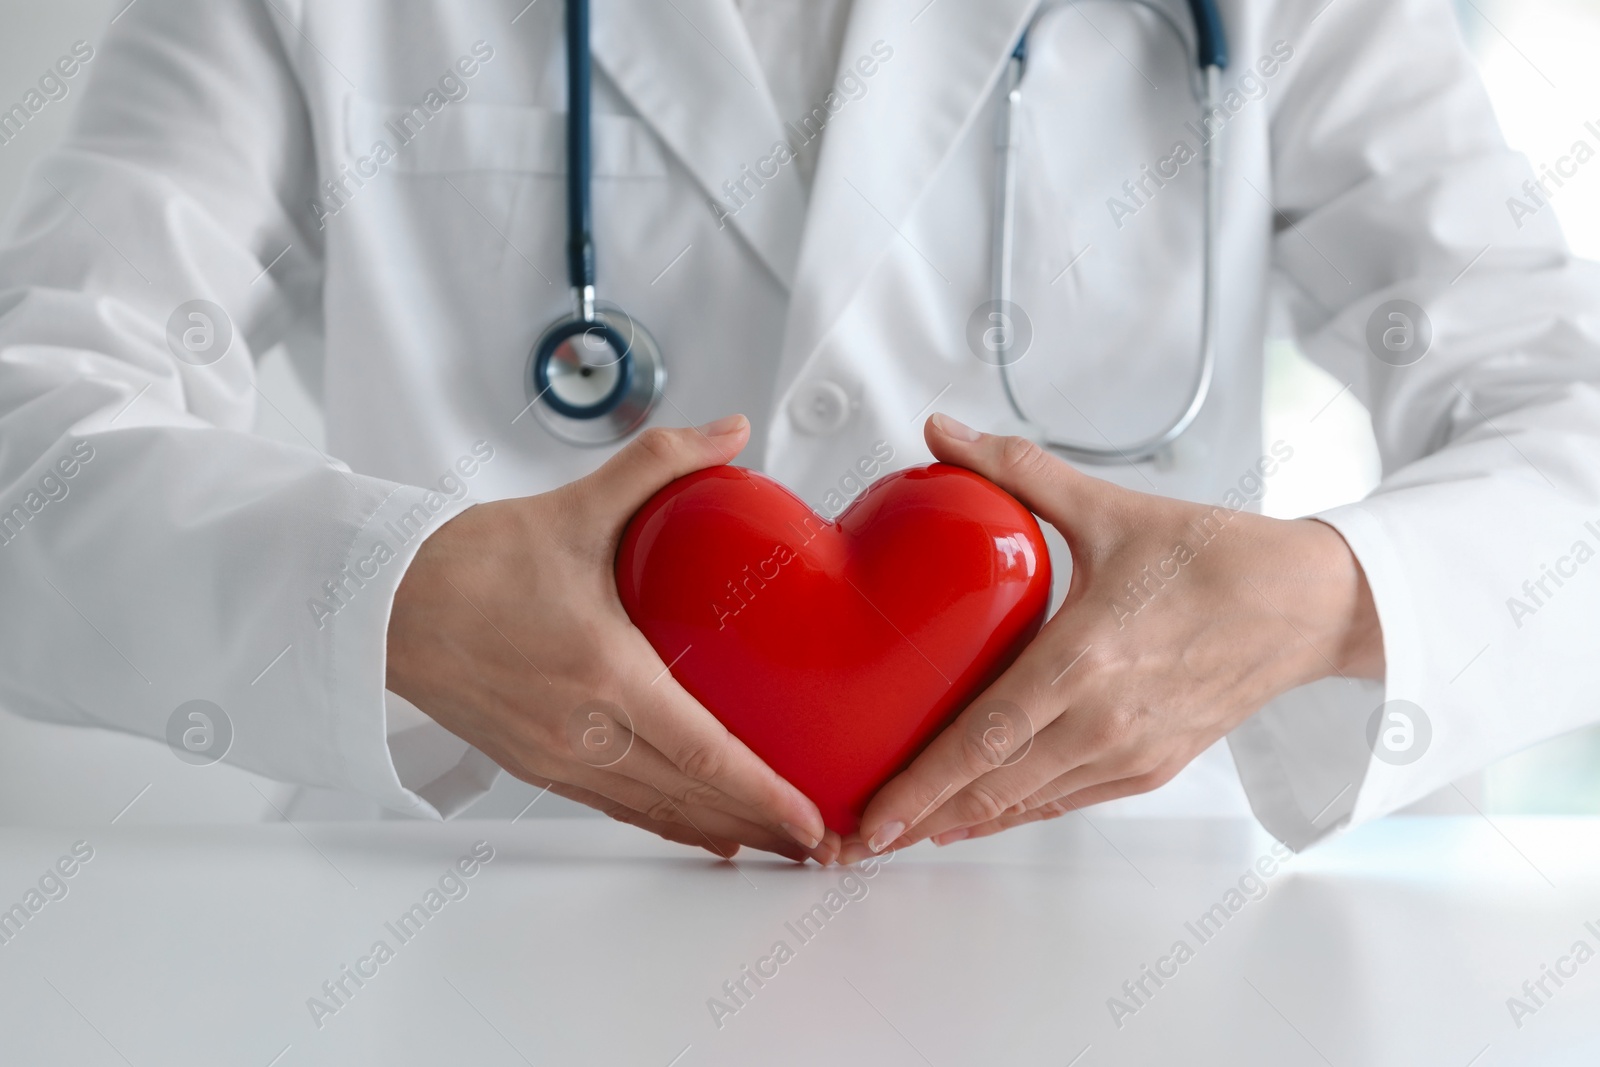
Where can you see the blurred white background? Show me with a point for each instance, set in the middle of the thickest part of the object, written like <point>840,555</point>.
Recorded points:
<point>1537,59</point>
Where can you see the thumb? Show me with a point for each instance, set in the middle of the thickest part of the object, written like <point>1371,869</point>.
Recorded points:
<point>659,455</point>
<point>1046,484</point>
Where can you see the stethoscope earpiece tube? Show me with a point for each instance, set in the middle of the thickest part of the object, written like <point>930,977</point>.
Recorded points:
<point>580,205</point>
<point>1211,52</point>
<point>595,374</point>
<point>1211,40</point>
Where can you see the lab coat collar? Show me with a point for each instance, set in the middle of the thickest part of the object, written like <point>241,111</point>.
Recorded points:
<point>881,151</point>
<point>689,68</point>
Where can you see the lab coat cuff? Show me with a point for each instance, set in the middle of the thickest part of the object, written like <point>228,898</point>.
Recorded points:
<point>420,769</point>
<point>1304,759</point>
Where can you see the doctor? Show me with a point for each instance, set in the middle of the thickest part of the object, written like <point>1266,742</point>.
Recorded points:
<point>798,202</point>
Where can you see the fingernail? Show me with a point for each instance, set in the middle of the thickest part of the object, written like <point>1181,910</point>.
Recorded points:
<point>808,840</point>
<point>854,852</point>
<point>950,837</point>
<point>953,428</point>
<point>723,426</point>
<point>887,834</point>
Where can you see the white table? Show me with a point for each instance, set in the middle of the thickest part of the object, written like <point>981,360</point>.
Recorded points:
<point>584,942</point>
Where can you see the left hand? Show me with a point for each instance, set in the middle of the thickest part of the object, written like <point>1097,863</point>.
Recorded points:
<point>1180,622</point>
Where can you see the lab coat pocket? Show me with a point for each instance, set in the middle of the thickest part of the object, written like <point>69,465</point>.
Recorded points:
<point>471,201</point>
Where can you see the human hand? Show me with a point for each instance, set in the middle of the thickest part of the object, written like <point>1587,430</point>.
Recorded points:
<point>507,626</point>
<point>1180,622</point>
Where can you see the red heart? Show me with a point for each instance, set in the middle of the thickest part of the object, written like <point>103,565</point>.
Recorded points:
<point>835,651</point>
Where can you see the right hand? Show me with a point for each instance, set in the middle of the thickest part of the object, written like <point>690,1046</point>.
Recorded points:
<point>508,621</point>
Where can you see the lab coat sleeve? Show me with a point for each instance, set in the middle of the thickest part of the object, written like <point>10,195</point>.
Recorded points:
<point>153,550</point>
<point>1393,182</point>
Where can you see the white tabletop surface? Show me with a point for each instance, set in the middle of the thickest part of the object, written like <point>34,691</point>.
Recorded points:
<point>585,942</point>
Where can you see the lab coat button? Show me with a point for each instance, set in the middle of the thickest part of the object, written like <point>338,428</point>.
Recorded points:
<point>820,407</point>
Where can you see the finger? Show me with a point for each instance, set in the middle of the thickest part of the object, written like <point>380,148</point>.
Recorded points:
<point>1063,799</point>
<point>706,752</point>
<point>646,782</point>
<point>657,456</point>
<point>994,728</point>
<point>631,756</point>
<point>997,797</point>
<point>1121,787</point>
<point>1005,822</point>
<point>1046,771</point>
<point>697,810</point>
<point>832,845</point>
<point>1077,751</point>
<point>854,851</point>
<point>670,831</point>
<point>1047,485</point>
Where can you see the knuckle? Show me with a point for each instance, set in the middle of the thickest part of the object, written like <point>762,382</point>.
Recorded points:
<point>701,795</point>
<point>703,759</point>
<point>925,798</point>
<point>659,444</point>
<point>1022,457</point>
<point>1113,728</point>
<point>979,803</point>
<point>978,753</point>
<point>620,812</point>
<point>1096,659</point>
<point>662,811</point>
<point>1045,796</point>
<point>999,732</point>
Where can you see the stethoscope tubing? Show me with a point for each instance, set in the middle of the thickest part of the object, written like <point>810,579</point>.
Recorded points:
<point>1211,53</point>
<point>640,374</point>
<point>629,402</point>
<point>580,152</point>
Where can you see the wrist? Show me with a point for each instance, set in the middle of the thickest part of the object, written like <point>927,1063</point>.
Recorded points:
<point>423,600</point>
<point>1337,608</point>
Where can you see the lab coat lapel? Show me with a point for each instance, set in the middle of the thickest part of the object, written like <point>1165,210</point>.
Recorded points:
<point>879,152</point>
<point>690,70</point>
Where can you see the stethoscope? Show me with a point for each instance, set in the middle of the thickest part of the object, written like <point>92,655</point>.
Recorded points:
<point>595,374</point>
<point>1211,49</point>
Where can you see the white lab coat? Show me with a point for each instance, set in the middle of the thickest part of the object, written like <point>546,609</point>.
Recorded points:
<point>188,551</point>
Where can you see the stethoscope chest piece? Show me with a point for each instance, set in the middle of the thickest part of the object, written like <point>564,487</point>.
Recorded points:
<point>592,381</point>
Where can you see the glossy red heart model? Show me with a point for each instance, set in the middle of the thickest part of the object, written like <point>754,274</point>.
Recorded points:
<point>835,651</point>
